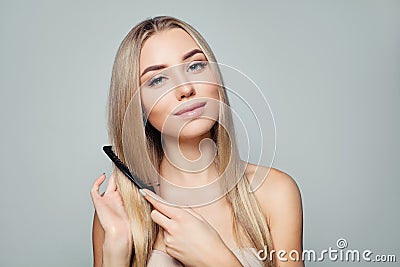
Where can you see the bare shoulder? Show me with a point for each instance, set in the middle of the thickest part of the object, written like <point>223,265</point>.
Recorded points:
<point>280,201</point>
<point>269,179</point>
<point>274,189</point>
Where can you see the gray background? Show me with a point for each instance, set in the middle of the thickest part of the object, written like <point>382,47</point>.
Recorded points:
<point>329,69</point>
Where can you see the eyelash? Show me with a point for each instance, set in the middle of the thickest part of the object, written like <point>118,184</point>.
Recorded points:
<point>158,80</point>
<point>202,64</point>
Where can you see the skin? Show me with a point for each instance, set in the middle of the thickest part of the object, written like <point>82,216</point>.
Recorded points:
<point>207,229</point>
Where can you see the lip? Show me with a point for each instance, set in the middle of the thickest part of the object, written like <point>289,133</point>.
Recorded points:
<point>190,108</point>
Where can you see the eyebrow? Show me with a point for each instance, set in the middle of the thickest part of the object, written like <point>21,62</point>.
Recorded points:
<point>185,56</point>
<point>151,68</point>
<point>191,53</point>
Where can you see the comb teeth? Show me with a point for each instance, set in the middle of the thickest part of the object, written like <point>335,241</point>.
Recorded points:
<point>122,167</point>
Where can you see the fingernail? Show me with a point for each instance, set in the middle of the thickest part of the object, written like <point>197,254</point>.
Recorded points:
<point>142,192</point>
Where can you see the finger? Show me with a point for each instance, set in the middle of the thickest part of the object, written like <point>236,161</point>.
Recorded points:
<point>94,192</point>
<point>161,219</point>
<point>111,185</point>
<point>160,204</point>
<point>167,238</point>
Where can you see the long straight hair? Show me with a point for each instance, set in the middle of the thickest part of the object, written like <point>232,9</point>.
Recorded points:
<point>139,145</point>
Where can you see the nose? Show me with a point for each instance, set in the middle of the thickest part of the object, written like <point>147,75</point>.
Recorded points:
<point>185,90</point>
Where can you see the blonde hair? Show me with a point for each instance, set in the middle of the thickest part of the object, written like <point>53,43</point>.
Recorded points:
<point>143,150</point>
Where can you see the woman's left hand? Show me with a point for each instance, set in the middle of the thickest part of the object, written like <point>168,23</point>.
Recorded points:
<point>188,237</point>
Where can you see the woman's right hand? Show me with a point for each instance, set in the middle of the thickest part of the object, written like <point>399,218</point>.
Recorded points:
<point>111,213</point>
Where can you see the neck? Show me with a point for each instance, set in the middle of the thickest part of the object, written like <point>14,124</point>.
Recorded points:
<point>189,162</point>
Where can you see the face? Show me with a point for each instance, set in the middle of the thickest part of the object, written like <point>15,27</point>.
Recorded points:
<point>175,76</point>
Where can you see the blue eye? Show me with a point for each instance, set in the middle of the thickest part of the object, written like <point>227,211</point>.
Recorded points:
<point>156,81</point>
<point>197,66</point>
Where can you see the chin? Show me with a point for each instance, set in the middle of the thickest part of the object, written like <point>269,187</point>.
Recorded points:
<point>196,128</point>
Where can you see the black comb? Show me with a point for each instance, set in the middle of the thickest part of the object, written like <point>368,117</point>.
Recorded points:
<point>125,170</point>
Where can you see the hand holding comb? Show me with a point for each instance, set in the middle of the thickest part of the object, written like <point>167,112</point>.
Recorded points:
<point>125,170</point>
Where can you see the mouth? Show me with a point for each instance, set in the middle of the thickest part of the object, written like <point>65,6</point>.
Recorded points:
<point>190,108</point>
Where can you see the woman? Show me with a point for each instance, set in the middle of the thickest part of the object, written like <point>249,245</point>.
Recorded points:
<point>225,231</point>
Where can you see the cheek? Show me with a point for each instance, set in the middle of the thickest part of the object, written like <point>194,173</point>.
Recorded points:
<point>156,109</point>
<point>157,115</point>
<point>208,90</point>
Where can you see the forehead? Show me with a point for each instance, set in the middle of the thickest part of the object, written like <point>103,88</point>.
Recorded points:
<point>166,47</point>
